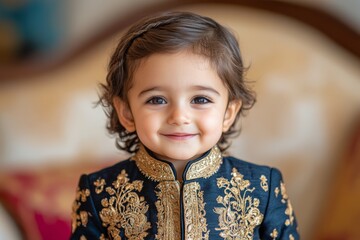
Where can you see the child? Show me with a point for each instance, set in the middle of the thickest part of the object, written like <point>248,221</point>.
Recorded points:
<point>174,92</point>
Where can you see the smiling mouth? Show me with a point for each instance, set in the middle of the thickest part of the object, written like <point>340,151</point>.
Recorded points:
<point>179,136</point>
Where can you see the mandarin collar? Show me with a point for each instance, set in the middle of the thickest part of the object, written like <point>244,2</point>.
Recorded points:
<point>159,170</point>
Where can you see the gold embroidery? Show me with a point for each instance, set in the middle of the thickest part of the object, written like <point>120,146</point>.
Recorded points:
<point>82,237</point>
<point>82,195</point>
<point>161,171</point>
<point>283,192</point>
<point>194,211</point>
<point>151,167</point>
<point>263,183</point>
<point>290,213</point>
<point>240,214</point>
<point>168,207</point>
<point>102,237</point>
<point>274,234</point>
<point>206,166</point>
<point>82,218</point>
<point>99,185</point>
<point>125,209</point>
<point>291,237</point>
<point>74,216</point>
<point>289,210</point>
<point>276,192</point>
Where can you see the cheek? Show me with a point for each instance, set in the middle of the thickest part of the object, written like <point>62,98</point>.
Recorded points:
<point>212,122</point>
<point>147,123</point>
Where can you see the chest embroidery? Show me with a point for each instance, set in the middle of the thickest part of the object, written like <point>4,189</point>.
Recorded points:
<point>239,214</point>
<point>125,209</point>
<point>168,207</point>
<point>194,212</point>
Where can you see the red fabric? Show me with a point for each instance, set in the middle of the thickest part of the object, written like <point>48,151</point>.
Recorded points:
<point>52,227</point>
<point>40,201</point>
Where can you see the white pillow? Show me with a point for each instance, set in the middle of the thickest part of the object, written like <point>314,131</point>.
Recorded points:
<point>8,228</point>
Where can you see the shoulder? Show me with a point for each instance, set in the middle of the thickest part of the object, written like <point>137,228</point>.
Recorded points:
<point>109,174</point>
<point>115,169</point>
<point>248,168</point>
<point>258,174</point>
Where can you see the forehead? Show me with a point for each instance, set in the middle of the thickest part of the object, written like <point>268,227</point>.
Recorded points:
<point>178,68</point>
<point>178,55</point>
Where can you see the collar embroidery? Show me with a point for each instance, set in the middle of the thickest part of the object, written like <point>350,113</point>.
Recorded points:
<point>154,169</point>
<point>206,166</point>
<point>162,171</point>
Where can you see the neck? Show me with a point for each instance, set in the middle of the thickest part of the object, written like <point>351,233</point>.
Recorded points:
<point>179,166</point>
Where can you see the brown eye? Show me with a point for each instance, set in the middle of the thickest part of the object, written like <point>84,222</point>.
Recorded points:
<point>156,100</point>
<point>200,100</point>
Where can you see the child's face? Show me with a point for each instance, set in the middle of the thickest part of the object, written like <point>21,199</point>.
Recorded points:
<point>178,105</point>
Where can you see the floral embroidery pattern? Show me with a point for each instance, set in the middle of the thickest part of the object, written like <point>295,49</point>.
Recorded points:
<point>194,211</point>
<point>168,207</point>
<point>240,214</point>
<point>99,185</point>
<point>263,183</point>
<point>125,209</point>
<point>82,217</point>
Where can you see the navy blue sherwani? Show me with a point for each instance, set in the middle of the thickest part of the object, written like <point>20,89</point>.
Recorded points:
<point>219,198</point>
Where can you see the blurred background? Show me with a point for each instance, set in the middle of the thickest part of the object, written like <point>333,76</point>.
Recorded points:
<point>304,64</point>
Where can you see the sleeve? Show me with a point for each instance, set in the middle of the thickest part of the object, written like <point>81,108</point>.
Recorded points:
<point>279,219</point>
<point>85,220</point>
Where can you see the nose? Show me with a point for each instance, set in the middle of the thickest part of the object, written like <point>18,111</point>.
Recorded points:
<point>178,115</point>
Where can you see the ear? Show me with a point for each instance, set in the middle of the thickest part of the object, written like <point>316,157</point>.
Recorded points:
<point>231,112</point>
<point>124,114</point>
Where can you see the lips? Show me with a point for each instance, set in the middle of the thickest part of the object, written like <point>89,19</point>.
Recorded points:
<point>179,136</point>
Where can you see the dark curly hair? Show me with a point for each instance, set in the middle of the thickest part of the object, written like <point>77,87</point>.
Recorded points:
<point>166,33</point>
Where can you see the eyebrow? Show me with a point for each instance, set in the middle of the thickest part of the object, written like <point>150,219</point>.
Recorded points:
<point>149,90</point>
<point>200,87</point>
<point>196,87</point>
